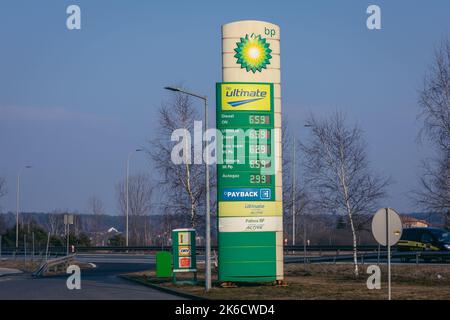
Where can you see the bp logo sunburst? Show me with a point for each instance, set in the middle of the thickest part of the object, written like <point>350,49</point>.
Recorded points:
<point>253,53</point>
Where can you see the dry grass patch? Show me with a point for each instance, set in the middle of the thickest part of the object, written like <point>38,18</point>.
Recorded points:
<point>326,281</point>
<point>28,266</point>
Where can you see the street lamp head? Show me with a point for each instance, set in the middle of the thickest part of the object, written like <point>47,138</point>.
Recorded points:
<point>172,89</point>
<point>186,92</point>
<point>28,167</point>
<point>138,150</point>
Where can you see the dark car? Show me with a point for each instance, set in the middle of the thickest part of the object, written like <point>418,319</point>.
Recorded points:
<point>421,239</point>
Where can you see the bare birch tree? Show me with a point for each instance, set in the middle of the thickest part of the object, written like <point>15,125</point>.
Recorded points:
<point>55,222</point>
<point>337,169</point>
<point>182,186</point>
<point>434,101</point>
<point>140,202</point>
<point>434,194</point>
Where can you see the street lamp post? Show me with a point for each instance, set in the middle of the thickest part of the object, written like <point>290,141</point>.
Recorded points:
<point>127,192</point>
<point>304,221</point>
<point>207,215</point>
<point>17,205</point>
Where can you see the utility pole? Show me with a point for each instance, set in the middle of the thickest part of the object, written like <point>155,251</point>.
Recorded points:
<point>68,220</point>
<point>127,195</point>
<point>32,255</point>
<point>67,237</point>
<point>46,249</point>
<point>208,222</point>
<point>25,249</point>
<point>17,210</point>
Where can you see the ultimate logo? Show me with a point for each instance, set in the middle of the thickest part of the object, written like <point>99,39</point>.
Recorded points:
<point>253,53</point>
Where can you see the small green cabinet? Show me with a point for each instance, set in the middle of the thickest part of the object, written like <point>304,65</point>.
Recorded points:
<point>163,264</point>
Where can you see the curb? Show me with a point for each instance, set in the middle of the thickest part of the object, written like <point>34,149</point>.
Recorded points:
<point>9,274</point>
<point>59,274</point>
<point>163,289</point>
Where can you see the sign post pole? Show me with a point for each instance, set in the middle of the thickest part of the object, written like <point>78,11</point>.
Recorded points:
<point>208,213</point>
<point>387,231</point>
<point>388,253</point>
<point>68,220</point>
<point>46,249</point>
<point>184,252</point>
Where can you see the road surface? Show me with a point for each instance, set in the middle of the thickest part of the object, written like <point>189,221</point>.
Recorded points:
<point>103,281</point>
<point>100,283</point>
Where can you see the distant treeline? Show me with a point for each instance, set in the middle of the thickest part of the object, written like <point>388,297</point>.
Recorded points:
<point>90,229</point>
<point>98,230</point>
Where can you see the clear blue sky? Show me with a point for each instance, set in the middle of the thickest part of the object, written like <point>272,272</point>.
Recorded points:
<point>73,103</point>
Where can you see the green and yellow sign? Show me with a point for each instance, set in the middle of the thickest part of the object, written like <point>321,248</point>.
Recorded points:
<point>246,149</point>
<point>246,96</point>
<point>183,250</point>
<point>250,209</point>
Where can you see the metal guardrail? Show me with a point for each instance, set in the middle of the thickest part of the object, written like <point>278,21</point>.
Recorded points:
<point>54,264</point>
<point>324,248</point>
<point>202,248</point>
<point>340,252</point>
<point>362,256</point>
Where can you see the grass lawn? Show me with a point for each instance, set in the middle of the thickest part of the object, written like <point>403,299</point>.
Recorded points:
<point>19,264</point>
<point>326,281</point>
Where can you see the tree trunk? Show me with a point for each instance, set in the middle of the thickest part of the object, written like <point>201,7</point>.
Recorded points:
<point>189,190</point>
<point>355,252</point>
<point>193,215</point>
<point>350,217</point>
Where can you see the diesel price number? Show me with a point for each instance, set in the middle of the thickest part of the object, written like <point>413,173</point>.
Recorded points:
<point>258,119</point>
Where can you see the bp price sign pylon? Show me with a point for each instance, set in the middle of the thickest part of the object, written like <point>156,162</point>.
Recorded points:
<point>249,173</point>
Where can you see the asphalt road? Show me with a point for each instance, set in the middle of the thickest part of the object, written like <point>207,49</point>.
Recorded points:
<point>100,283</point>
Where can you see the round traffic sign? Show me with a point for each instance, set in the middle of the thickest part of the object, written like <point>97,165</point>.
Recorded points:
<point>386,223</point>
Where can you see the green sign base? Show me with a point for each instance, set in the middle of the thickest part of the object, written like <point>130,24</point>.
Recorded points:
<point>247,256</point>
